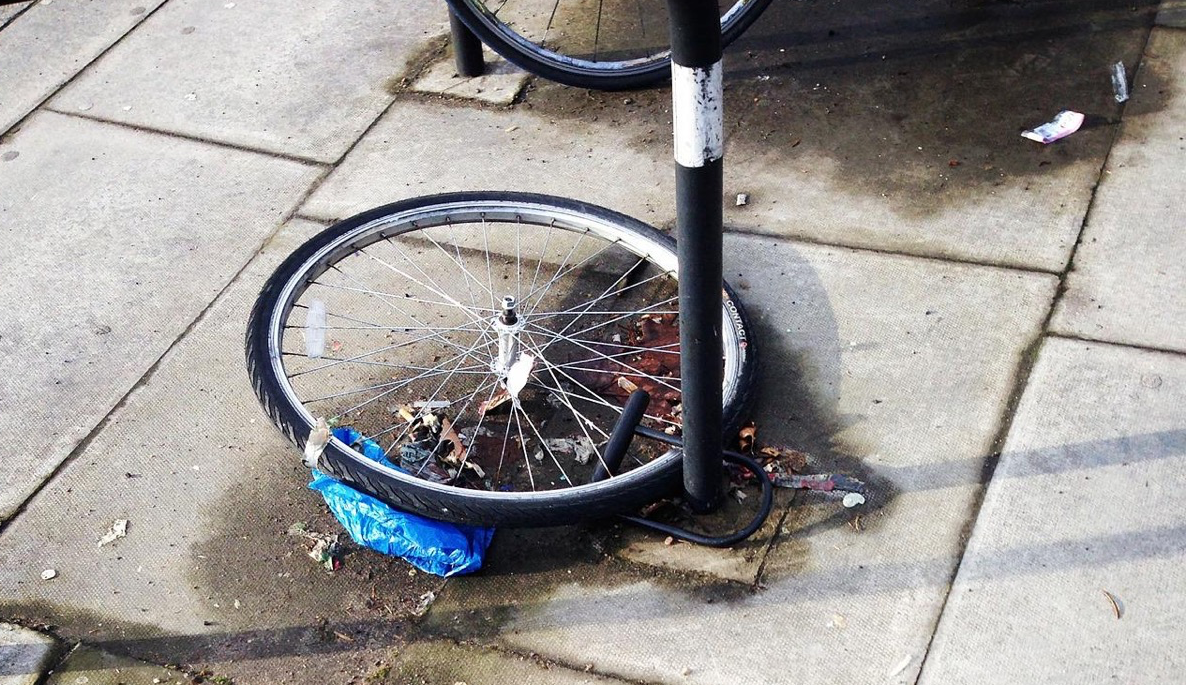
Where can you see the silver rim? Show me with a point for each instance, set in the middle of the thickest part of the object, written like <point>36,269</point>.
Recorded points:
<point>415,323</point>
<point>589,36</point>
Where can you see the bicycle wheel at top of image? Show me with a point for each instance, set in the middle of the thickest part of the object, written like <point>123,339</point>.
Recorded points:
<point>599,44</point>
<point>481,346</point>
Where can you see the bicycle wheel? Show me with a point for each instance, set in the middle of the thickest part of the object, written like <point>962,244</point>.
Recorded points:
<point>485,342</point>
<point>614,45</point>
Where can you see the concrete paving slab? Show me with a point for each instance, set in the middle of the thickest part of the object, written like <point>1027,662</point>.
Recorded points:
<point>425,148</point>
<point>499,85</point>
<point>897,127</point>
<point>207,576</point>
<point>1128,273</point>
<point>444,662</point>
<point>894,369</point>
<point>1172,13</point>
<point>9,11</point>
<point>53,41</point>
<point>117,239</point>
<point>24,655</point>
<point>1085,501</point>
<point>93,667</point>
<point>301,78</point>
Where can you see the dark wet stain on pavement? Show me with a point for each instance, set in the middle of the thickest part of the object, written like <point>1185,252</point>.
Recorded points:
<point>919,103</point>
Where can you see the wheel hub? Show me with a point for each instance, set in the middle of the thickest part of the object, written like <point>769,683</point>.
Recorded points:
<point>508,324</point>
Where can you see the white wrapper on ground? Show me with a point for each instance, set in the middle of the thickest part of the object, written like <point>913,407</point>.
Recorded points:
<point>1064,124</point>
<point>697,114</point>
<point>315,329</point>
<point>315,445</point>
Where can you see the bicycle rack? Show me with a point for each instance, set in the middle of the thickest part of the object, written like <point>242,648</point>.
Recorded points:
<point>467,49</point>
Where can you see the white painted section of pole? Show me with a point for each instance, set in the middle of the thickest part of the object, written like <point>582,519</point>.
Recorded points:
<point>697,114</point>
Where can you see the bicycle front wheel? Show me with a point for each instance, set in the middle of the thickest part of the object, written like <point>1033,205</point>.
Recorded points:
<point>598,44</point>
<point>473,352</point>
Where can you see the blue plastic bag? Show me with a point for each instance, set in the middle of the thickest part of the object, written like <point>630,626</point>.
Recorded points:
<point>444,549</point>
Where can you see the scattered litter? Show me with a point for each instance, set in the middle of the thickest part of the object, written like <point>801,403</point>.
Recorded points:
<point>627,384</point>
<point>1064,124</point>
<point>1119,82</point>
<point>512,129</point>
<point>742,199</point>
<point>782,459</point>
<point>191,96</point>
<point>839,621</point>
<point>500,398</point>
<point>669,541</point>
<point>853,499</point>
<point>85,106</point>
<point>327,552</point>
<point>897,670</point>
<point>315,329</point>
<point>518,374</point>
<point>49,574</point>
<point>426,601</point>
<point>326,549</point>
<point>118,529</point>
<point>1115,604</point>
<point>763,77</point>
<point>444,549</point>
<point>1151,380</point>
<point>582,448</point>
<point>830,484</point>
<point>745,437</point>
<point>315,445</point>
<point>686,672</point>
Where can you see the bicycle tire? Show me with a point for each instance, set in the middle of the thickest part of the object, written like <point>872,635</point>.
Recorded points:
<point>567,505</point>
<point>591,74</point>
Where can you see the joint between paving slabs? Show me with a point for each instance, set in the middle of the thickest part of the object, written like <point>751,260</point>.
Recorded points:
<point>534,657</point>
<point>8,132</point>
<point>946,259</point>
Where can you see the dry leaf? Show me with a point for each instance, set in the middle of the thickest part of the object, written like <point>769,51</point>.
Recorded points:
<point>627,384</point>
<point>745,437</point>
<point>1113,602</point>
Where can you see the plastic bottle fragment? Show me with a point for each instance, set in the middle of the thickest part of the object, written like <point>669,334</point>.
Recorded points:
<point>315,329</point>
<point>1119,82</point>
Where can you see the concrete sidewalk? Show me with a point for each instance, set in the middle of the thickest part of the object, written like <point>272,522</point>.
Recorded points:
<point>989,330</point>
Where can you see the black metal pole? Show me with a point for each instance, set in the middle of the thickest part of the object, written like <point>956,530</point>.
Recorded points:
<point>697,111</point>
<point>467,49</point>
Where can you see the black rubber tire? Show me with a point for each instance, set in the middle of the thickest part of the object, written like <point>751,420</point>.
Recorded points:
<point>539,63</point>
<point>624,493</point>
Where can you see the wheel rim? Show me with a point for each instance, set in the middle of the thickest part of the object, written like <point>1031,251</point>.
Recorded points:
<point>587,37</point>
<point>606,286</point>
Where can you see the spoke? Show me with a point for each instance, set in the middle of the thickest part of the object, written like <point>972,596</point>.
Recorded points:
<point>356,358</point>
<point>396,425</point>
<point>478,428</point>
<point>606,293</point>
<point>449,300</point>
<point>543,443</point>
<point>457,261</point>
<point>592,396</point>
<point>401,311</point>
<point>431,399</point>
<point>522,443</point>
<point>582,420</point>
<point>559,272</point>
<point>486,248</point>
<point>551,18</point>
<point>542,315</point>
<point>597,31</point>
<point>543,251</point>
<point>428,372</point>
<point>644,310</point>
<point>460,359</point>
